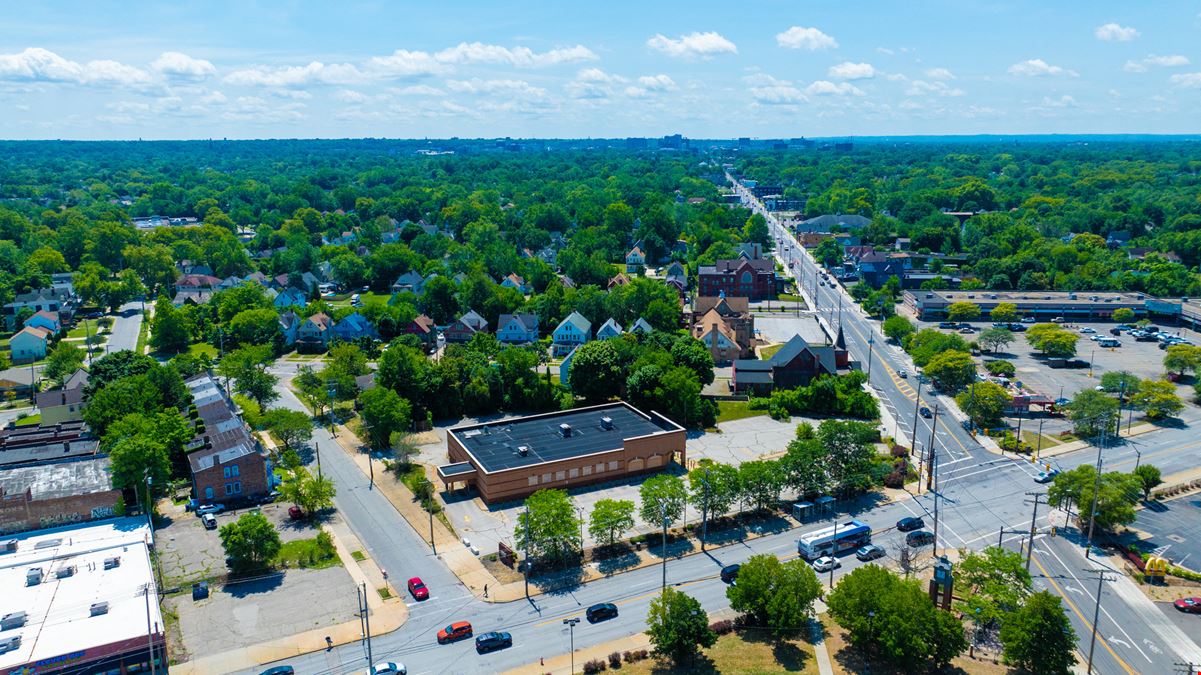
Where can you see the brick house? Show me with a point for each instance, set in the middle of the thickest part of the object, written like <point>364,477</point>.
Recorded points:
<point>226,461</point>
<point>740,277</point>
<point>794,365</point>
<point>423,327</point>
<point>466,326</point>
<point>734,311</point>
<point>718,337</point>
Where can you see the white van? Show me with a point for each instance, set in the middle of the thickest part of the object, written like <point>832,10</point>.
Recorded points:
<point>355,300</point>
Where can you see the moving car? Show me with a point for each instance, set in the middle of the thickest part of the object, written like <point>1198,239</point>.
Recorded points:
<point>904,375</point>
<point>946,324</point>
<point>910,523</point>
<point>826,563</point>
<point>454,632</point>
<point>729,573</point>
<point>209,521</point>
<point>1189,605</point>
<point>1088,331</point>
<point>919,538</point>
<point>1045,477</point>
<point>600,612</point>
<point>209,508</point>
<point>279,670</point>
<point>388,668</point>
<point>870,552</point>
<point>418,590</point>
<point>488,642</point>
<point>925,412</point>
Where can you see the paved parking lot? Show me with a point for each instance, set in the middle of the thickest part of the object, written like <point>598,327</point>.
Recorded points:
<point>1175,529</point>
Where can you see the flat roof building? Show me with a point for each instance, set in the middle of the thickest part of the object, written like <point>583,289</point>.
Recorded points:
<point>80,599</point>
<point>46,494</point>
<point>1042,305</point>
<point>514,458</point>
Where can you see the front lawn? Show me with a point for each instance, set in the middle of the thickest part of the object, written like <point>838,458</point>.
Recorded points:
<point>307,553</point>
<point>728,411</point>
<point>203,348</point>
<point>746,652</point>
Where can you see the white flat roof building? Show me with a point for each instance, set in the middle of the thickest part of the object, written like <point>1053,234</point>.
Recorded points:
<point>88,598</point>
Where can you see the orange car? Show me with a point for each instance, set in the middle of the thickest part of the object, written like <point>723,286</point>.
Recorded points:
<point>454,632</point>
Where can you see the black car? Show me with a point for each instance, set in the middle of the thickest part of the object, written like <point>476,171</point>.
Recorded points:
<point>919,538</point>
<point>946,324</point>
<point>925,412</point>
<point>279,670</point>
<point>489,642</point>
<point>600,612</point>
<point>910,523</point>
<point>729,573</point>
<point>1017,328</point>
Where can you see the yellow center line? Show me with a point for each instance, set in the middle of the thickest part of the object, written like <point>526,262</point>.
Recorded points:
<point>627,601</point>
<point>1088,625</point>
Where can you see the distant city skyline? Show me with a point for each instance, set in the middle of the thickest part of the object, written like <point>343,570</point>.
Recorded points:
<point>125,70</point>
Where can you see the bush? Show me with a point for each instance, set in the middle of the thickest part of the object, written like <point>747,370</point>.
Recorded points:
<point>594,666</point>
<point>895,480</point>
<point>1000,368</point>
<point>1010,443</point>
<point>615,660</point>
<point>899,451</point>
<point>722,627</point>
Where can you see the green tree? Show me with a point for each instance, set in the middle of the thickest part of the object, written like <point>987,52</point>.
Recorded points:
<point>678,626</point>
<point>993,583</point>
<point>247,366</point>
<point>963,311</point>
<point>134,394</point>
<point>250,542</point>
<point>548,527</point>
<point>1039,638</point>
<point>610,520</point>
<point>951,370</point>
<point>1116,381</point>
<point>1052,340</point>
<point>290,427</point>
<point>311,493</point>
<point>62,362</point>
<point>597,372</point>
<point>1118,494</point>
<point>995,339</point>
<point>259,326</point>
<point>1149,477</point>
<point>168,329</point>
<point>713,487</point>
<point>1182,359</point>
<point>774,593</point>
<point>1004,312</point>
<point>985,403</point>
<point>167,428</point>
<point>384,413</point>
<point>1000,368</point>
<point>662,495</point>
<point>828,252</point>
<point>1123,315</point>
<point>1157,399</point>
<point>898,328</point>
<point>760,482</point>
<point>133,458</point>
<point>1091,412</point>
<point>928,343</point>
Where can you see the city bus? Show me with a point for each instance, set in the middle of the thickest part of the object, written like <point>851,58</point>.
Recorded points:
<point>834,539</point>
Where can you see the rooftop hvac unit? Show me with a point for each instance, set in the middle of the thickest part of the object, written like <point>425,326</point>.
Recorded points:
<point>110,563</point>
<point>606,422</point>
<point>523,450</point>
<point>98,609</point>
<point>565,430</point>
<point>64,572</point>
<point>9,644</point>
<point>12,620</point>
<point>9,546</point>
<point>33,577</point>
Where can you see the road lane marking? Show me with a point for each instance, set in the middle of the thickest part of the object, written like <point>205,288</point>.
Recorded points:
<point>1087,625</point>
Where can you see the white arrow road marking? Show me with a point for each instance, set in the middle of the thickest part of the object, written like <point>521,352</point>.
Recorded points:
<point>1151,645</point>
<point>1119,642</point>
<point>1072,589</point>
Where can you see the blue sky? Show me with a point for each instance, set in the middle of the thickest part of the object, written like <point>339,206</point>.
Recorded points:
<point>117,70</point>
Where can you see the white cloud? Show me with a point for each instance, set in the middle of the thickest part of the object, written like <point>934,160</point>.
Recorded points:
<point>826,88</point>
<point>295,76</point>
<point>420,90</point>
<point>924,88</point>
<point>35,64</point>
<point>885,50</point>
<point>656,82</point>
<point>181,66</point>
<point>852,71</point>
<point>507,87</point>
<point>768,90</point>
<point>692,45</point>
<point>213,98</point>
<point>350,96</point>
<point>403,63</point>
<point>520,57</point>
<point>1190,80</point>
<point>1064,101</point>
<point>1168,61</point>
<point>1039,68</point>
<point>939,74</point>
<point>1112,32</point>
<point>800,37</point>
<point>594,84</point>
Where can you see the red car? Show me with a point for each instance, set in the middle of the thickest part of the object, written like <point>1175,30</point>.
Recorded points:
<point>455,631</point>
<point>418,589</point>
<point>1190,605</point>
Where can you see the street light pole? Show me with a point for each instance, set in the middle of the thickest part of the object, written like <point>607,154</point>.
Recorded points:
<point>705,511</point>
<point>663,552</point>
<point>871,340</point>
<point>917,404</point>
<point>1092,514</point>
<point>570,623</point>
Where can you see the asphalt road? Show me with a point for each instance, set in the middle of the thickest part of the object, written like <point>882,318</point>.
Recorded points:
<point>126,326</point>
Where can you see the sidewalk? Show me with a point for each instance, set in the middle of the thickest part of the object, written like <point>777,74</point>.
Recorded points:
<point>386,616</point>
<point>1065,448</point>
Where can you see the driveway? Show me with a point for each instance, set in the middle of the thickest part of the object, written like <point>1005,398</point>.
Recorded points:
<point>126,326</point>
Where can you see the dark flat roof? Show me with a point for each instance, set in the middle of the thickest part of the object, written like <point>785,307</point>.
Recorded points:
<point>494,445</point>
<point>456,469</point>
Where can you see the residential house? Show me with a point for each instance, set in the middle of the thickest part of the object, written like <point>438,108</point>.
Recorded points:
<point>620,280</point>
<point>314,332</point>
<point>61,300</point>
<point>565,281</point>
<point>718,337</point>
<point>186,267</point>
<point>290,297</point>
<point>794,365</point>
<point>425,330</point>
<point>192,296</point>
<point>642,326</point>
<point>354,326</point>
<point>516,283</point>
<point>409,282</point>
<point>307,281</point>
<point>60,405</point>
<point>572,332</point>
<point>289,326</point>
<point>29,344</point>
<point>751,250</point>
<point>325,271</point>
<point>635,260</point>
<point>734,311</point>
<point>677,284</point>
<point>517,328</point>
<point>77,380</point>
<point>676,271</point>
<point>565,368</point>
<point>230,282</point>
<point>258,278</point>
<point>875,269</point>
<point>609,329</point>
<point>811,240</point>
<point>48,321</point>
<point>226,461</point>
<point>466,326</point>
<point>193,282</point>
<point>739,277</point>
<point>18,381</point>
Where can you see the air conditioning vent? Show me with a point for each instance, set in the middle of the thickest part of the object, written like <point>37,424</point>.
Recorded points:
<point>64,572</point>
<point>565,430</point>
<point>9,644</point>
<point>523,450</point>
<point>98,609</point>
<point>606,422</point>
<point>12,620</point>
<point>9,546</point>
<point>110,563</point>
<point>33,577</point>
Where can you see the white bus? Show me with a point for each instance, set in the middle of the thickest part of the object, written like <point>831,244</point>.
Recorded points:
<point>831,540</point>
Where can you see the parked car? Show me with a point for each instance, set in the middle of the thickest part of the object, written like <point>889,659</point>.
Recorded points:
<point>826,563</point>
<point>1088,331</point>
<point>1017,327</point>
<point>454,632</point>
<point>600,612</point>
<point>919,538</point>
<point>1027,319</point>
<point>1115,331</point>
<point>1145,337</point>
<point>279,670</point>
<point>418,590</point>
<point>490,642</point>
<point>209,508</point>
<point>1045,477</point>
<point>946,324</point>
<point>268,498</point>
<point>1188,605</point>
<point>209,521</point>
<point>388,668</point>
<point>729,573</point>
<point>1058,319</point>
<point>910,523</point>
<point>967,331</point>
<point>870,552</point>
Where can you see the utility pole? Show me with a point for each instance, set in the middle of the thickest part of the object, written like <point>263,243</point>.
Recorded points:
<point>933,484</point>
<point>432,544</point>
<point>871,341</point>
<point>570,623</point>
<point>526,576</point>
<point>317,448</point>
<point>705,511</point>
<point>917,404</point>
<point>1039,449</point>
<point>1092,514</point>
<point>1033,517</point>
<point>367,622</point>
<point>149,630</point>
<point>663,514</point>
<point>1101,578</point>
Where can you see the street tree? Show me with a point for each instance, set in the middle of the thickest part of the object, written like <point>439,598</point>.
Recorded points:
<point>548,527</point>
<point>1157,399</point>
<point>1149,478</point>
<point>995,339</point>
<point>984,402</point>
<point>760,482</point>
<point>1000,368</point>
<point>1118,381</point>
<point>849,450</point>
<point>803,467</point>
<point>168,329</point>
<point>662,495</point>
<point>1004,312</point>
<point>1123,315</point>
<point>404,449</point>
<point>311,493</point>
<point>596,371</point>
<point>247,367</point>
<point>829,252</point>
<point>774,593</point>
<point>384,413</point>
<point>290,427</point>
<point>250,542</point>
<point>678,626</point>
<point>951,370</point>
<point>610,520</point>
<point>1182,359</point>
<point>1118,494</point>
<point>897,328</point>
<point>713,487</point>
<point>927,343</point>
<point>963,311</point>
<point>1091,412</point>
<point>992,582</point>
<point>1039,638</point>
